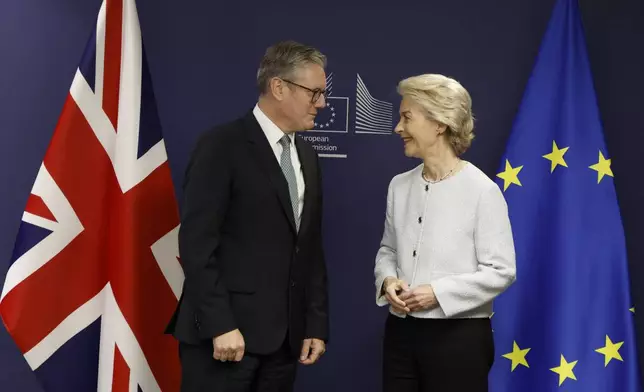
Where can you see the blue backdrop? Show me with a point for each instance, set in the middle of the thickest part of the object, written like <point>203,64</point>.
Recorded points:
<point>203,58</point>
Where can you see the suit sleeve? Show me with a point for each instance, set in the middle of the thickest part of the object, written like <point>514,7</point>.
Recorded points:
<point>205,201</point>
<point>317,316</point>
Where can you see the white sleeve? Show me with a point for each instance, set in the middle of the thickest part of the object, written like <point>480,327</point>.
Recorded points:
<point>496,260</point>
<point>386,258</point>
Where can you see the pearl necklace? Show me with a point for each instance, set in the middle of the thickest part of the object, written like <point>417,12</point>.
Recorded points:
<point>444,176</point>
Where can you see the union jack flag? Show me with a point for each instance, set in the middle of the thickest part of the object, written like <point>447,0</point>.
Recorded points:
<point>95,273</point>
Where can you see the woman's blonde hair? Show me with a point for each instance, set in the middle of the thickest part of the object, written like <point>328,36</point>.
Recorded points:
<point>445,101</point>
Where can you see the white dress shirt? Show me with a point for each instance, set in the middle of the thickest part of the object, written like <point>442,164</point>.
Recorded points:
<point>454,235</point>
<point>273,135</point>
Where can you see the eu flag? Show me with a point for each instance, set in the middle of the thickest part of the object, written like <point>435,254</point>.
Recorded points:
<point>567,323</point>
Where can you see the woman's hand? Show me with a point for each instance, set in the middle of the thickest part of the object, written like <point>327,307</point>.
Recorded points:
<point>392,287</point>
<point>420,298</point>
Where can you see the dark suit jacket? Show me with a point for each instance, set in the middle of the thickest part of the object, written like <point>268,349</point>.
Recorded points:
<point>245,264</point>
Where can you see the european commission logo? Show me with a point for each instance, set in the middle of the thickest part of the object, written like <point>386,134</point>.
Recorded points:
<point>334,118</point>
<point>373,116</point>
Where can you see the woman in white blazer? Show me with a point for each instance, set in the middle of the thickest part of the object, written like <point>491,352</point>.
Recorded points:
<point>447,249</point>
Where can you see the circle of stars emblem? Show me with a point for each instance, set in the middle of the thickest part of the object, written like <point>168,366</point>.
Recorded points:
<point>327,124</point>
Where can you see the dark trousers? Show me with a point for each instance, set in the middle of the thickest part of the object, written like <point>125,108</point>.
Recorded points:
<point>200,372</point>
<point>437,355</point>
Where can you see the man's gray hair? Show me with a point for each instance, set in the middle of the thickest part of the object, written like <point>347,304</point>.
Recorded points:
<point>283,59</point>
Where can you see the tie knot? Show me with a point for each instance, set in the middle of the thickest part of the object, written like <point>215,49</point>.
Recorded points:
<point>285,141</point>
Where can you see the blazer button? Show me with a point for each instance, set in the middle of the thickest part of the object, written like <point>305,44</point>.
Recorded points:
<point>297,249</point>
<point>414,253</point>
<point>420,219</point>
<point>292,283</point>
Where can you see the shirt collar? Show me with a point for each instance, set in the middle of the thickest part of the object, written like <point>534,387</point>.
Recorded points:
<point>273,132</point>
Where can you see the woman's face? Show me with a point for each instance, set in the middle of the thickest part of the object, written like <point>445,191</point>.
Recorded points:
<point>420,134</point>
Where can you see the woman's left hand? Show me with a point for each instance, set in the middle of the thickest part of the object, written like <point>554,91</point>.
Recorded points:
<point>420,298</point>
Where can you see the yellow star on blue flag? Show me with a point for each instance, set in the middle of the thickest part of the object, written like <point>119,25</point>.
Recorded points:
<point>566,317</point>
<point>602,167</point>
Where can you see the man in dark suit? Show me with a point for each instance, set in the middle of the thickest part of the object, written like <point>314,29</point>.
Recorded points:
<point>255,293</point>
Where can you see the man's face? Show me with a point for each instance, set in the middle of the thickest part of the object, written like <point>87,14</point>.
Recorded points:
<point>304,96</point>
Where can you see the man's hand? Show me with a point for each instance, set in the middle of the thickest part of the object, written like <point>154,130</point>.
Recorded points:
<point>312,349</point>
<point>229,346</point>
<point>392,288</point>
<point>420,298</point>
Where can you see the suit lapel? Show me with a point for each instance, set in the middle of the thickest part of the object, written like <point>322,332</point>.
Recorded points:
<point>310,183</point>
<point>269,165</point>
